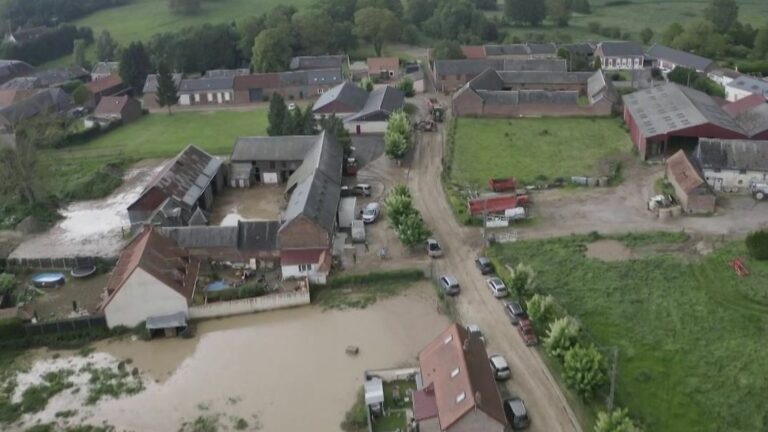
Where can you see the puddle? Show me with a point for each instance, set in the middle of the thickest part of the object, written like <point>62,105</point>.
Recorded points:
<point>271,367</point>
<point>90,228</point>
<point>608,250</point>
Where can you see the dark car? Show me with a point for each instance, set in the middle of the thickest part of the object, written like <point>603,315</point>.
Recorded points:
<point>525,328</point>
<point>449,284</point>
<point>514,311</point>
<point>484,265</point>
<point>517,414</point>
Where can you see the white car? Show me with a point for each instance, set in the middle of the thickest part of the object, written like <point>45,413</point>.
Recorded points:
<point>371,212</point>
<point>497,287</point>
<point>500,367</point>
<point>433,248</point>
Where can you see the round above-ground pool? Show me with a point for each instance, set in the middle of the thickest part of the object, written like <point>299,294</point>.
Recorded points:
<point>48,280</point>
<point>218,285</point>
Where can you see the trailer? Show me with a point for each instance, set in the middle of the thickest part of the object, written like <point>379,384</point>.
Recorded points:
<point>358,231</point>
<point>502,184</point>
<point>496,203</point>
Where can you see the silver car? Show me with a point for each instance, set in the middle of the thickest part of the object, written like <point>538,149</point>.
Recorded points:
<point>449,284</point>
<point>497,287</point>
<point>500,367</point>
<point>371,212</point>
<point>433,248</point>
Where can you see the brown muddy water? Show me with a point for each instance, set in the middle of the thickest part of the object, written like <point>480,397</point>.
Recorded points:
<point>283,370</point>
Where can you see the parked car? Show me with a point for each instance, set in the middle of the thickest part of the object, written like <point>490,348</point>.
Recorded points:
<point>759,190</point>
<point>515,312</point>
<point>525,328</point>
<point>362,189</point>
<point>517,414</point>
<point>500,367</point>
<point>498,289</point>
<point>433,248</point>
<point>484,265</point>
<point>291,106</point>
<point>449,284</point>
<point>474,331</point>
<point>371,212</point>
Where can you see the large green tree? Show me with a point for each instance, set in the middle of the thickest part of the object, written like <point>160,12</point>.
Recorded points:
<point>615,421</point>
<point>447,50</point>
<point>418,11</point>
<point>106,47</point>
<point>761,43</point>
<point>167,93</point>
<point>646,34</point>
<point>78,53</point>
<point>674,30</point>
<point>541,309</point>
<point>562,335</point>
<point>722,13</point>
<point>530,12</point>
<point>247,29</point>
<point>584,370</point>
<point>376,26</point>
<point>701,37</point>
<point>278,116</point>
<point>314,30</point>
<point>272,50</point>
<point>135,65</point>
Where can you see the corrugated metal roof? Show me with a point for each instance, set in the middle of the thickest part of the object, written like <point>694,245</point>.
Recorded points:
<point>732,154</point>
<point>381,100</point>
<point>347,94</point>
<point>680,58</point>
<point>272,148</point>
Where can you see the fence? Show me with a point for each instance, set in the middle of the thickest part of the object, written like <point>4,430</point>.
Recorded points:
<point>249,305</point>
<point>64,263</point>
<point>66,325</point>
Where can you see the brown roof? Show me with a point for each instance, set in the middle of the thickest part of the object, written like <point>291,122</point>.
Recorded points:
<point>159,256</point>
<point>259,80</point>
<point>743,105</point>
<point>458,368</point>
<point>104,84</point>
<point>424,405</point>
<point>302,256</point>
<point>378,64</point>
<point>10,97</point>
<point>473,51</point>
<point>111,105</point>
<point>684,173</point>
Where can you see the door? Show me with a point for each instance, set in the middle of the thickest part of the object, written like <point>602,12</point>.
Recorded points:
<point>358,130</point>
<point>255,95</point>
<point>718,184</point>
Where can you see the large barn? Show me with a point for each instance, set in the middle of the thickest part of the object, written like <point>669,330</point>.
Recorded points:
<point>669,117</point>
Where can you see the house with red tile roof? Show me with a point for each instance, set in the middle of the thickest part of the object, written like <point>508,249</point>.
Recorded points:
<point>459,392</point>
<point>109,86</point>
<point>384,69</point>
<point>154,278</point>
<point>117,108</point>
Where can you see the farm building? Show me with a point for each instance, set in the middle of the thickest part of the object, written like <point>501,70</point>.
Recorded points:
<point>153,278</point>
<point>149,93</point>
<point>384,69</point>
<point>291,85</point>
<point>524,93</point>
<point>182,192</point>
<point>319,62</point>
<point>265,159</point>
<point>745,86</point>
<point>450,75</point>
<point>666,59</point>
<point>691,189</point>
<point>206,91</point>
<point>459,392</point>
<point>112,85</point>
<point>52,100</point>
<point>732,165</point>
<point>664,118</point>
<point>124,109</point>
<point>361,111</point>
<point>525,51</point>
<point>620,55</point>
<point>104,69</point>
<point>10,69</point>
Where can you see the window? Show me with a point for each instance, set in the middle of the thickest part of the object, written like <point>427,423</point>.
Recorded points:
<point>305,267</point>
<point>461,397</point>
<point>448,339</point>
<point>319,91</point>
<point>740,182</point>
<point>226,96</point>
<point>210,97</point>
<point>197,97</point>
<point>391,74</point>
<point>455,373</point>
<point>284,164</point>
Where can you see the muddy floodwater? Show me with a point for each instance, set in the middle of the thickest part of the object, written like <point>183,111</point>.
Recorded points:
<point>283,370</point>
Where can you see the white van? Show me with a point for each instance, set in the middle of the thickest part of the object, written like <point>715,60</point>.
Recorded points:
<point>371,212</point>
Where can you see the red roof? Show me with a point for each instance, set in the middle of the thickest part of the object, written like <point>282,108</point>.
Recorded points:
<point>378,64</point>
<point>302,256</point>
<point>111,105</point>
<point>742,105</point>
<point>105,84</point>
<point>684,173</point>
<point>424,405</point>
<point>473,51</point>
<point>496,204</point>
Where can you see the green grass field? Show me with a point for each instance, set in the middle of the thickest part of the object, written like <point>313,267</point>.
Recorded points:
<point>691,334</point>
<point>528,148</point>
<point>156,136</point>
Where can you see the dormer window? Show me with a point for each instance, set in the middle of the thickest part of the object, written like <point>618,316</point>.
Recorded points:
<point>461,397</point>
<point>455,373</point>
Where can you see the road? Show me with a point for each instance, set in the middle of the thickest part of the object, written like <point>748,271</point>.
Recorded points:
<point>531,378</point>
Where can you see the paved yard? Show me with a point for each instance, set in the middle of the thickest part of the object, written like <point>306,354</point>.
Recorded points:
<point>260,202</point>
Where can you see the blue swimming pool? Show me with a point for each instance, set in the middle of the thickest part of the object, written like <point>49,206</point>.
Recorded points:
<point>217,286</point>
<point>49,279</point>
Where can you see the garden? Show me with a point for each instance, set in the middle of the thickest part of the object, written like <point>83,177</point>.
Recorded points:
<point>689,332</point>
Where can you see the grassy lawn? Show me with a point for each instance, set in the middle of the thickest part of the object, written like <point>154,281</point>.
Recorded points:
<point>691,334</point>
<point>529,148</point>
<point>396,419</point>
<point>155,136</point>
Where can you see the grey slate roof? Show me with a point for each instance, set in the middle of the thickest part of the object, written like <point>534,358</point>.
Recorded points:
<point>521,97</point>
<point>226,73</point>
<point>272,148</point>
<point>23,83</point>
<point>52,100</point>
<point>542,48</point>
<point>346,93</point>
<point>755,120</point>
<point>475,66</point>
<point>544,77</point>
<point>585,49</point>
<point>324,76</point>
<point>680,58</point>
<point>325,155</point>
<point>293,78</point>
<point>732,154</point>
<point>150,85</point>
<point>554,65</point>
<point>105,68</point>
<point>621,49</point>
<point>750,84</point>
<point>317,62</point>
<point>13,68</point>
<point>206,84</point>
<point>670,107</point>
<point>385,100</point>
<point>178,319</point>
<point>506,49</point>
<point>246,235</point>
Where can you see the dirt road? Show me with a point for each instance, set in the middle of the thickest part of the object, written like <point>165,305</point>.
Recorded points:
<point>531,379</point>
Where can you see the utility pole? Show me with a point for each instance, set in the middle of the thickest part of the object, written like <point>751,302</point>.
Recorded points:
<point>614,371</point>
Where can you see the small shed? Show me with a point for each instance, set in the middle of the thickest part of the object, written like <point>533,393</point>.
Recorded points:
<point>692,191</point>
<point>169,325</point>
<point>374,394</point>
<point>346,213</point>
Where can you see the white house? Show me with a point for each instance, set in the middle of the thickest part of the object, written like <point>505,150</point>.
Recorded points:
<point>361,111</point>
<point>731,165</point>
<point>620,55</point>
<point>154,278</point>
<point>723,76</point>
<point>207,91</point>
<point>744,86</point>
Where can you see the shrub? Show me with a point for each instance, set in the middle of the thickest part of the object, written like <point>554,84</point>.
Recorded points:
<point>616,421</point>
<point>757,245</point>
<point>405,275</point>
<point>7,283</point>
<point>541,309</point>
<point>584,370</point>
<point>562,336</point>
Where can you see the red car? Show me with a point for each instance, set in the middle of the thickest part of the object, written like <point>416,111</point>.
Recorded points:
<point>526,332</point>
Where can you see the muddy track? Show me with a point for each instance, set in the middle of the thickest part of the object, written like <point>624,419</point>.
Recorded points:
<point>531,379</point>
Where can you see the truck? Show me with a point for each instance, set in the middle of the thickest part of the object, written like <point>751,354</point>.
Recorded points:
<point>436,109</point>
<point>358,231</point>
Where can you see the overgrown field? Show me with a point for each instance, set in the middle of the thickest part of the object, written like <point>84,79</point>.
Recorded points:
<point>534,149</point>
<point>156,136</point>
<point>691,334</point>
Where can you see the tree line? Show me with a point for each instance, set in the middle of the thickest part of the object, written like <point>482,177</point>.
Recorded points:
<point>50,45</point>
<point>23,13</point>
